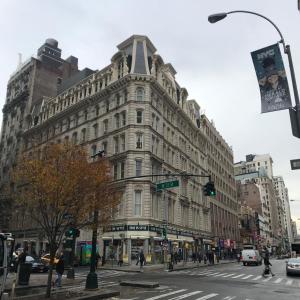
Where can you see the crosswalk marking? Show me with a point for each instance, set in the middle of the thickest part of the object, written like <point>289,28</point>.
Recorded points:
<point>186,295</point>
<point>267,279</point>
<point>256,278</point>
<point>166,295</point>
<point>211,274</point>
<point>221,274</point>
<point>289,282</point>
<point>246,277</point>
<point>278,280</point>
<point>228,275</point>
<point>229,298</point>
<point>239,276</point>
<point>207,297</point>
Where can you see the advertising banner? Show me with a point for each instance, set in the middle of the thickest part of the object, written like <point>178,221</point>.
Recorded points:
<point>271,76</point>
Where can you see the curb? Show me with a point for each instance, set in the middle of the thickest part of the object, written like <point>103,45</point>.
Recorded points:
<point>146,270</point>
<point>143,284</point>
<point>196,267</point>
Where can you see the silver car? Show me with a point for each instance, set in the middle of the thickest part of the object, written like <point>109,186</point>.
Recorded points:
<point>293,266</point>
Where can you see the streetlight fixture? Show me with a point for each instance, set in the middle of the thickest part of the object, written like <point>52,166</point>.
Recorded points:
<point>295,111</point>
<point>293,200</point>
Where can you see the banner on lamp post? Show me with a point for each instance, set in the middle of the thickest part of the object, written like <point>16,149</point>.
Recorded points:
<point>271,76</point>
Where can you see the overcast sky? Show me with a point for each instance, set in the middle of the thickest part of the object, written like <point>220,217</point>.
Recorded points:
<point>212,61</point>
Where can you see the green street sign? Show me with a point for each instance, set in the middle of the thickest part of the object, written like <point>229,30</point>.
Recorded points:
<point>167,185</point>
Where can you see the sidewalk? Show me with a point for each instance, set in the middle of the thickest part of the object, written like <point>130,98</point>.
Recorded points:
<point>150,267</point>
<point>37,281</point>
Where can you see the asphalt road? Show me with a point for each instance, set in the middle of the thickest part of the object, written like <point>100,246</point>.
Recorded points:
<point>226,282</point>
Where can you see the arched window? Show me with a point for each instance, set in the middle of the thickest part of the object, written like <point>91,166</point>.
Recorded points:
<point>93,150</point>
<point>83,135</point>
<point>74,138</point>
<point>140,93</point>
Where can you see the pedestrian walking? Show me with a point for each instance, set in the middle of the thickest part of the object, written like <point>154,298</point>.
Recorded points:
<point>60,268</point>
<point>141,259</point>
<point>194,258</point>
<point>120,261</point>
<point>267,269</point>
<point>200,257</point>
<point>98,257</point>
<point>205,258</point>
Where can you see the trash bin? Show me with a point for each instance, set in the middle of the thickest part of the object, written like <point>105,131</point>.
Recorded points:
<point>24,273</point>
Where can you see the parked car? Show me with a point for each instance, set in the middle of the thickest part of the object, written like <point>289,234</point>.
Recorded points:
<point>46,259</point>
<point>251,257</point>
<point>37,265</point>
<point>293,266</point>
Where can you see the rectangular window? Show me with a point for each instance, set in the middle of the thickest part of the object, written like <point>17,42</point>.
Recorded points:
<point>117,121</point>
<point>116,144</point>
<point>138,167</point>
<point>104,147</point>
<point>115,171</point>
<point>123,114</point>
<point>105,126</point>
<point>138,203</point>
<point>139,141</point>
<point>139,116</point>
<point>123,142</point>
<point>122,169</point>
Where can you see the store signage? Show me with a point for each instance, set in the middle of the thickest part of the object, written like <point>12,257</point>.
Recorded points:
<point>151,228</point>
<point>137,227</point>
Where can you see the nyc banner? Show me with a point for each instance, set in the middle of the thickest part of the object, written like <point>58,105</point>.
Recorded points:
<point>271,76</point>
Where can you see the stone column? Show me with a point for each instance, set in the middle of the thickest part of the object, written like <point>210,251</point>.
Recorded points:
<point>129,250</point>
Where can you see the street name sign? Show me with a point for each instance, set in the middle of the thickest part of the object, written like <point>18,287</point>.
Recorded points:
<point>167,185</point>
<point>295,164</point>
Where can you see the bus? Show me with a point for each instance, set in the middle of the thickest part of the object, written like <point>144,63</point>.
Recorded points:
<point>6,248</point>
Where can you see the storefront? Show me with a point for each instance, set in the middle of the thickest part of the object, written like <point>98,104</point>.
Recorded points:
<point>131,239</point>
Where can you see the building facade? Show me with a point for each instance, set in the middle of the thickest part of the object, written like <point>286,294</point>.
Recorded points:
<point>34,79</point>
<point>224,208</point>
<point>136,112</point>
<point>258,169</point>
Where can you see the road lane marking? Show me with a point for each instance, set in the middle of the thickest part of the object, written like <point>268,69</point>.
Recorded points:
<point>186,295</point>
<point>229,298</point>
<point>207,297</point>
<point>166,295</point>
<point>239,276</point>
<point>248,276</point>
<point>278,280</point>
<point>256,278</point>
<point>229,275</point>
<point>289,282</point>
<point>211,274</point>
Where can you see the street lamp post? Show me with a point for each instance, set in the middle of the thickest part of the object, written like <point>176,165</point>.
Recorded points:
<point>295,111</point>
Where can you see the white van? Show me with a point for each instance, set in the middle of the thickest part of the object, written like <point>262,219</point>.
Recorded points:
<point>251,257</point>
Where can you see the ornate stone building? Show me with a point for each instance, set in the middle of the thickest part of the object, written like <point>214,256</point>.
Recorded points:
<point>135,110</point>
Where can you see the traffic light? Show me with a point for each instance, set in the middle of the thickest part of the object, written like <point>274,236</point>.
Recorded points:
<point>164,233</point>
<point>209,189</point>
<point>72,232</point>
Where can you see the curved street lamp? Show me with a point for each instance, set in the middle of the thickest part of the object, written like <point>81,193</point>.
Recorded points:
<point>295,111</point>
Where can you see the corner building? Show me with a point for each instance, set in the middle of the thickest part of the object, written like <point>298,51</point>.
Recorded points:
<point>136,112</point>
